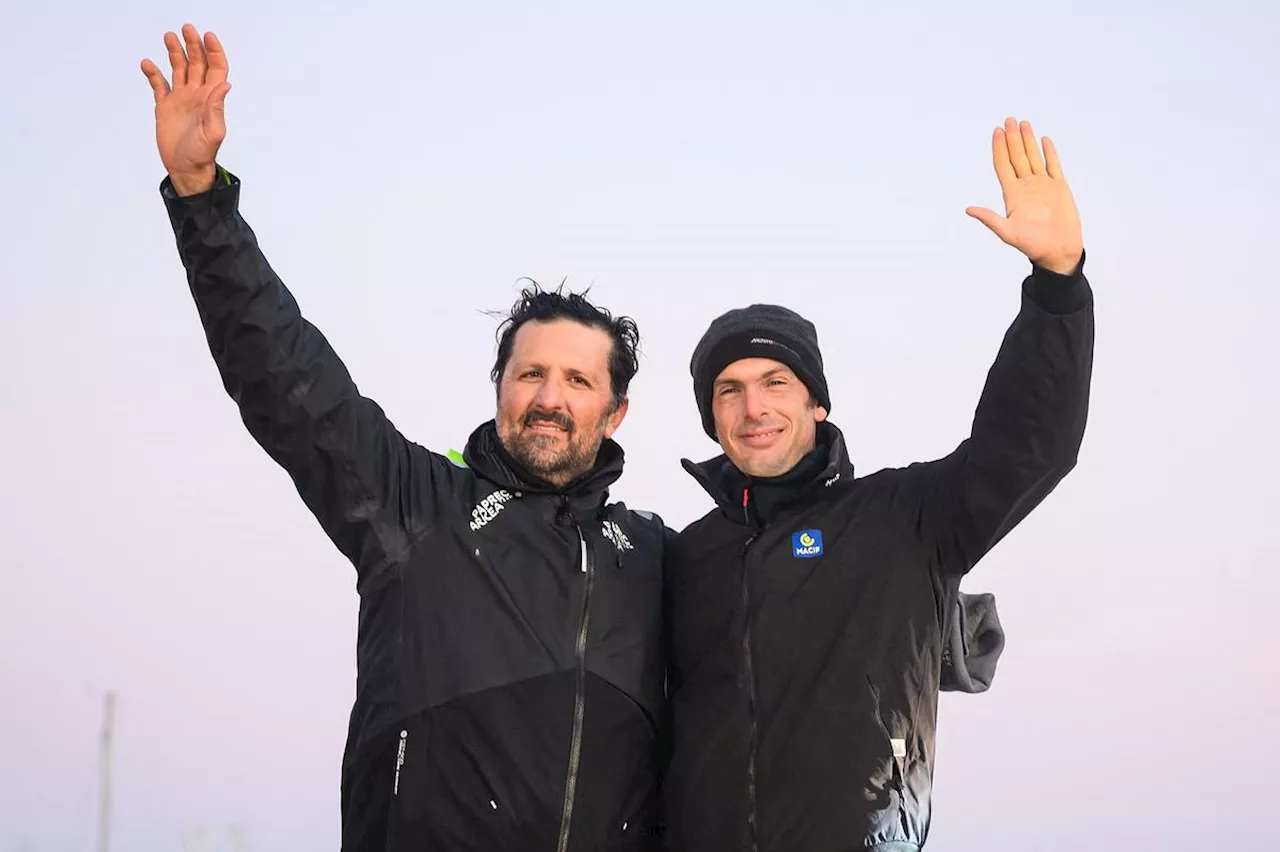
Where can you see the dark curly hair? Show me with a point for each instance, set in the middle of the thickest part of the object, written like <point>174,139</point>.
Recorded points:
<point>547,305</point>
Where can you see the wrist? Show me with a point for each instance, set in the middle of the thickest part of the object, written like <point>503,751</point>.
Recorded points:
<point>193,183</point>
<point>1063,264</point>
<point>1059,292</point>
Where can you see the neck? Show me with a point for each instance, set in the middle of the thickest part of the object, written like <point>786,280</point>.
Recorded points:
<point>560,478</point>
<point>767,496</point>
<point>555,480</point>
<point>801,461</point>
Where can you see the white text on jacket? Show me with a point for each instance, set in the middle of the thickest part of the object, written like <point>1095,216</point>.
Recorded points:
<point>488,508</point>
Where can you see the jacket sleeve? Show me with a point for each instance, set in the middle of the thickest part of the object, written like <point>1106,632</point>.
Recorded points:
<point>1027,428</point>
<point>350,465</point>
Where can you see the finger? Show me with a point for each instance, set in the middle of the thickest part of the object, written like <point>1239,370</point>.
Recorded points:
<point>215,112</point>
<point>1000,158</point>
<point>1052,164</point>
<point>1033,150</point>
<point>998,224</point>
<point>1017,154</point>
<point>159,85</point>
<point>196,63</point>
<point>177,60</point>
<point>217,57</point>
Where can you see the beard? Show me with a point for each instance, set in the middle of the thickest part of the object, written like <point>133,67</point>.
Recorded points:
<point>550,457</point>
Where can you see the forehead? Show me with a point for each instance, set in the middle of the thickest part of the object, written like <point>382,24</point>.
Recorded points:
<point>562,343</point>
<point>748,370</point>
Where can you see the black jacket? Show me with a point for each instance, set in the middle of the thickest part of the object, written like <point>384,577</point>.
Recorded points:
<point>509,662</point>
<point>807,620</point>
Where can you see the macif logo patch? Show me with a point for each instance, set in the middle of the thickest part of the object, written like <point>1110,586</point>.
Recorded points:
<point>806,544</point>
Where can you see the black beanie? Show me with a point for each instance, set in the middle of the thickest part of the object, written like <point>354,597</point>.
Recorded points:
<point>758,331</point>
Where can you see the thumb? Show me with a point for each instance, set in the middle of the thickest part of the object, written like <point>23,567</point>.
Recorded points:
<point>215,113</point>
<point>998,224</point>
<point>218,98</point>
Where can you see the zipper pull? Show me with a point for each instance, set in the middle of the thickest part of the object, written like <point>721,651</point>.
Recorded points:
<point>582,539</point>
<point>746,496</point>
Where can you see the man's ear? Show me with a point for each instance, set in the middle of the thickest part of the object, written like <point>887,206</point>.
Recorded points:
<point>819,414</point>
<point>615,419</point>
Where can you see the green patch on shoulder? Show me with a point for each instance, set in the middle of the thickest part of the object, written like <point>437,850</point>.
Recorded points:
<point>456,457</point>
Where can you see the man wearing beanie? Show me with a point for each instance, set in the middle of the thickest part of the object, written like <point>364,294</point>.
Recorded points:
<point>812,613</point>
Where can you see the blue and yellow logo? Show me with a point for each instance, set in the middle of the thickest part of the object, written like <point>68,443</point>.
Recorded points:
<point>806,544</point>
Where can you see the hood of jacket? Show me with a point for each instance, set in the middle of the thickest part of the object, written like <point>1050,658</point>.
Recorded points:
<point>586,495</point>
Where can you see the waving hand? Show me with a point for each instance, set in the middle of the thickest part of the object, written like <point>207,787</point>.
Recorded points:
<point>190,113</point>
<point>1040,219</point>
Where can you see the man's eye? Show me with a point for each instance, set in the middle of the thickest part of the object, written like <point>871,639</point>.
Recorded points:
<point>725,391</point>
<point>580,380</point>
<point>531,374</point>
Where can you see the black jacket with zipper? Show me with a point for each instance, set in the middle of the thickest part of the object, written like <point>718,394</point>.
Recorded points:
<point>807,614</point>
<point>509,663</point>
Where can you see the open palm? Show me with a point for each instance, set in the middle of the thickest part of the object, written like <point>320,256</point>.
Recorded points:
<point>190,113</point>
<point>1041,219</point>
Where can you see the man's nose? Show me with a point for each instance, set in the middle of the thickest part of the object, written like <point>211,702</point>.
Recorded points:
<point>550,396</point>
<point>755,406</point>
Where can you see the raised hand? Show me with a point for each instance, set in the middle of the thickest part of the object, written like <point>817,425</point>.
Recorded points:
<point>190,114</point>
<point>1040,219</point>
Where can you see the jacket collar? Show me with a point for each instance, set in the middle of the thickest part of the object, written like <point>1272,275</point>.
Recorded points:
<point>727,485</point>
<point>585,494</point>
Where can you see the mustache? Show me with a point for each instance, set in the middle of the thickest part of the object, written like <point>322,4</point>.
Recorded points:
<point>751,425</point>
<point>555,418</point>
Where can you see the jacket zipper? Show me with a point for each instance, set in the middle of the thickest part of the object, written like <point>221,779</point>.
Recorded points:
<point>579,699</point>
<point>751,682</point>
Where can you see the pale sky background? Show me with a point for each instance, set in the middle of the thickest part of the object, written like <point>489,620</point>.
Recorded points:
<point>405,165</point>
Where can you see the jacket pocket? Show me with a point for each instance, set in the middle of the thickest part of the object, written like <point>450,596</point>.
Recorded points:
<point>394,809</point>
<point>896,817</point>
<point>439,797</point>
<point>408,784</point>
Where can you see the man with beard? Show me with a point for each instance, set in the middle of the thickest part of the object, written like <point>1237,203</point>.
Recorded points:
<point>812,612</point>
<point>509,671</point>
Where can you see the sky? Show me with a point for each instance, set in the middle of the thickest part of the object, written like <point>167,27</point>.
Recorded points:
<point>405,165</point>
